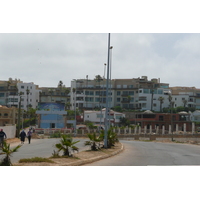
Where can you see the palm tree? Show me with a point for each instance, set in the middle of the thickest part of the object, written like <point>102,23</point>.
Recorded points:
<point>51,92</point>
<point>60,84</point>
<point>66,145</point>
<point>184,102</point>
<point>94,142</point>
<point>161,99</point>
<point>8,152</point>
<point>112,138</point>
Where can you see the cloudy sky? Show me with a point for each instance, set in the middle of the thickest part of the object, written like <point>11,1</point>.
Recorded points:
<point>46,58</point>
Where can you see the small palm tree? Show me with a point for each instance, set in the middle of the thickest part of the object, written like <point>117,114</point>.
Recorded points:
<point>111,138</point>
<point>8,152</point>
<point>94,141</point>
<point>184,102</point>
<point>161,99</point>
<point>67,145</point>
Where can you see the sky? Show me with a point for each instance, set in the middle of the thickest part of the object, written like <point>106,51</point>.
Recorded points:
<point>47,58</point>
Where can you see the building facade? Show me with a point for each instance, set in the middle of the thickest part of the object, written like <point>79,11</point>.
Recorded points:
<point>8,116</point>
<point>51,115</point>
<point>55,95</point>
<point>98,117</point>
<point>134,94</point>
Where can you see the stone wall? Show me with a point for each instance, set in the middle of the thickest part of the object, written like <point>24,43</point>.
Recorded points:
<point>9,130</point>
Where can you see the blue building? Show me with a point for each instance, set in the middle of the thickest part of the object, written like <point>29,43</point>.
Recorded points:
<point>51,115</point>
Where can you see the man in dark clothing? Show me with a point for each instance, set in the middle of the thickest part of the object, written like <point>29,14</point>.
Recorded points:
<point>2,136</point>
<point>22,136</point>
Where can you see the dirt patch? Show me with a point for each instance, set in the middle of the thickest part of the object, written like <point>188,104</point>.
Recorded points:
<point>80,158</point>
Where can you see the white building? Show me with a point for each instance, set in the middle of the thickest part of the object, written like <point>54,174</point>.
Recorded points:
<point>29,96</point>
<point>98,117</point>
<point>132,94</point>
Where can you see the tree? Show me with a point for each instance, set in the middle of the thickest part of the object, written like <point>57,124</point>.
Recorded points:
<point>111,137</point>
<point>94,141</point>
<point>60,84</point>
<point>8,152</point>
<point>124,121</point>
<point>161,99</point>
<point>51,92</point>
<point>117,109</point>
<point>66,145</point>
<point>184,102</point>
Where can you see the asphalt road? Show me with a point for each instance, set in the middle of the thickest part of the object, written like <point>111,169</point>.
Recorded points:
<point>39,148</point>
<point>138,153</point>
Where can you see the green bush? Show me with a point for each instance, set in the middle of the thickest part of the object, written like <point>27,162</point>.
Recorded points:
<point>56,135</point>
<point>35,159</point>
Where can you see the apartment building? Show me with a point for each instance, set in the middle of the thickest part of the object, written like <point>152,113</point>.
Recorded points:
<point>186,97</point>
<point>29,94</point>
<point>12,91</point>
<point>9,92</point>
<point>55,95</point>
<point>134,94</point>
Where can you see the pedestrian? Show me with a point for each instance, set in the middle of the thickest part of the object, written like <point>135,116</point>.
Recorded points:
<point>29,134</point>
<point>2,136</point>
<point>22,136</point>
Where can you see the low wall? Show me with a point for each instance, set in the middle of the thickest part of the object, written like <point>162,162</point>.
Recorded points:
<point>9,130</point>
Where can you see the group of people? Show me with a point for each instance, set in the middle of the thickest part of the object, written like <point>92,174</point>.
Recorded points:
<point>23,135</point>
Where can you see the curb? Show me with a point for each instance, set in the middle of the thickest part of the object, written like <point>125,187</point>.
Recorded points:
<point>87,161</point>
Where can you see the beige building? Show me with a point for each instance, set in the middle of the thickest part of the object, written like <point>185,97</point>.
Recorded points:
<point>8,116</point>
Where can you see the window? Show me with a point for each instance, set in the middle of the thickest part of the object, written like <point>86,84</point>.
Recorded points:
<point>132,100</point>
<point>144,105</point>
<point>146,91</point>
<point>89,93</point>
<point>97,99</point>
<point>118,116</point>
<point>118,99</point>
<point>2,94</point>
<point>99,115</point>
<point>118,93</point>
<point>142,98</point>
<point>89,99</point>
<point>131,92</point>
<point>125,93</point>
<point>22,86</point>
<point>161,118</point>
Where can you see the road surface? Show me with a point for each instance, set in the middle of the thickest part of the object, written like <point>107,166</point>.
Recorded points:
<point>138,153</point>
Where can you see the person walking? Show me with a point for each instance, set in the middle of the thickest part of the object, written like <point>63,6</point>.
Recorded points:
<point>29,134</point>
<point>22,136</point>
<point>2,136</point>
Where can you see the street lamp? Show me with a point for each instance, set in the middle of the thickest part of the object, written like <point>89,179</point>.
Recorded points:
<point>74,91</point>
<point>107,83</point>
<point>171,105</point>
<point>19,113</point>
<point>111,47</point>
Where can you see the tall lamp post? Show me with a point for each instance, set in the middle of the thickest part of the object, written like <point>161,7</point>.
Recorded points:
<point>74,91</point>
<point>19,113</point>
<point>107,88</point>
<point>171,105</point>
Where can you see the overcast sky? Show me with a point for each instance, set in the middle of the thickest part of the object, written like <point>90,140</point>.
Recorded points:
<point>45,59</point>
